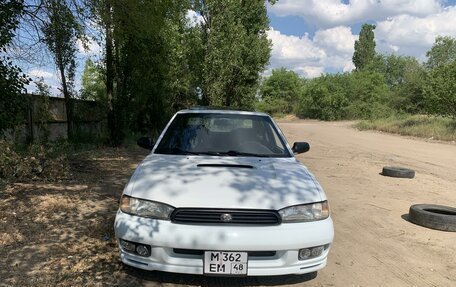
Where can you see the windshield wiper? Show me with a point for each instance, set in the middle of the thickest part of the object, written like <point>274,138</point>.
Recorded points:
<point>179,151</point>
<point>237,153</point>
<point>175,150</point>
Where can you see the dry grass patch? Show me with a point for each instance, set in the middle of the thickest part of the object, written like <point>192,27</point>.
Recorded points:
<point>61,234</point>
<point>423,126</point>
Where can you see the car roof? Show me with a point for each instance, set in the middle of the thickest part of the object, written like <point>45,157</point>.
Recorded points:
<point>211,110</point>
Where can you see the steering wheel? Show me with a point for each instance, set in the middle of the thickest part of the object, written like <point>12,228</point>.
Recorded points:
<point>254,147</point>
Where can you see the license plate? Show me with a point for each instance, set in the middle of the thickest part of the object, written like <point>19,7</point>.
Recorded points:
<point>225,263</point>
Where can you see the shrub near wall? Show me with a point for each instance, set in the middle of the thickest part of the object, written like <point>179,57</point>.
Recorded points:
<point>36,162</point>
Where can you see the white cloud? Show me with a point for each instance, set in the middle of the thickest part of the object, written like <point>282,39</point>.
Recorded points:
<point>193,18</point>
<point>403,27</point>
<point>338,38</point>
<point>292,47</point>
<point>411,35</point>
<point>51,79</point>
<point>299,54</point>
<point>330,13</point>
<point>310,57</point>
<point>310,71</point>
<point>40,73</point>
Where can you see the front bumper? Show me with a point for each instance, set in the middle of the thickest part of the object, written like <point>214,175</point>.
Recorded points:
<point>165,236</point>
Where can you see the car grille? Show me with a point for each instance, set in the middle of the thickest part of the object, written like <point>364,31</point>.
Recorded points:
<point>201,252</point>
<point>225,216</point>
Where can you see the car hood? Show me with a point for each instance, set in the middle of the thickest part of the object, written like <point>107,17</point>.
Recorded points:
<point>224,182</point>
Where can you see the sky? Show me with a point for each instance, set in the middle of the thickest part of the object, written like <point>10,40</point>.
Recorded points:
<point>312,37</point>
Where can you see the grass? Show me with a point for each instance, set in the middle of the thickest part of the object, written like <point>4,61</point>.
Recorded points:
<point>39,161</point>
<point>430,127</point>
<point>61,233</point>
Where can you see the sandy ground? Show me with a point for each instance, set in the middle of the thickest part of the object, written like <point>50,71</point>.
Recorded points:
<point>374,244</point>
<point>61,234</point>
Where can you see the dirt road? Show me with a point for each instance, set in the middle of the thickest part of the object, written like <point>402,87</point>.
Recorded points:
<point>61,234</point>
<point>373,244</point>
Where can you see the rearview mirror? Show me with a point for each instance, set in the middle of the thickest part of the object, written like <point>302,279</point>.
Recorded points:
<point>300,147</point>
<point>145,142</point>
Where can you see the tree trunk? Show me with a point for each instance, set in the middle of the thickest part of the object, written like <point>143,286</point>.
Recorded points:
<point>110,74</point>
<point>227,100</point>
<point>68,101</point>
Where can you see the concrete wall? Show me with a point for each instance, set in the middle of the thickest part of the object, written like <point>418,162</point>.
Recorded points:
<point>52,125</point>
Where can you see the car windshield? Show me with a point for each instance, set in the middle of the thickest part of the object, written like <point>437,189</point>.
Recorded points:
<point>222,134</point>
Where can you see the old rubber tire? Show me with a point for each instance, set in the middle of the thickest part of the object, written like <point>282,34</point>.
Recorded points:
<point>400,172</point>
<point>433,216</point>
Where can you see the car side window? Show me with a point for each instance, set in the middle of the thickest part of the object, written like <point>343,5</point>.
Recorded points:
<point>272,138</point>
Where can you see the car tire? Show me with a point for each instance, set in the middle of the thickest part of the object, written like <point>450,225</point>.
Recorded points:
<point>399,172</point>
<point>433,216</point>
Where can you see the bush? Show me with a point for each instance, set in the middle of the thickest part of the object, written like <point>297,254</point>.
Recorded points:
<point>357,95</point>
<point>440,91</point>
<point>368,95</point>
<point>35,162</point>
<point>322,101</point>
<point>12,80</point>
<point>280,92</point>
<point>273,106</point>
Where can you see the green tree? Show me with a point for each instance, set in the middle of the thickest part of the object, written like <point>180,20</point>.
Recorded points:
<point>156,61</point>
<point>61,31</point>
<point>152,65</point>
<point>359,95</point>
<point>407,93</point>
<point>174,67</point>
<point>280,92</point>
<point>368,95</point>
<point>442,52</point>
<point>146,67</point>
<point>93,86</point>
<point>182,46</point>
<point>235,50</point>
<point>325,97</point>
<point>395,67</point>
<point>405,78</point>
<point>440,90</point>
<point>12,81</point>
<point>364,47</point>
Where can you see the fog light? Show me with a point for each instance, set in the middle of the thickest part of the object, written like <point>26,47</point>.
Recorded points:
<point>142,250</point>
<point>127,246</point>
<point>304,253</point>
<point>312,252</point>
<point>317,251</point>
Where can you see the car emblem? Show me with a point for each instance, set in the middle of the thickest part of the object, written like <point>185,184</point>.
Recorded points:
<point>226,217</point>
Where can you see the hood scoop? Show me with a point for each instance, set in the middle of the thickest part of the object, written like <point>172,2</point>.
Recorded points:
<point>224,165</point>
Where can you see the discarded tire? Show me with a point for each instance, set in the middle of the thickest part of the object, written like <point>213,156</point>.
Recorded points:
<point>400,172</point>
<point>433,216</point>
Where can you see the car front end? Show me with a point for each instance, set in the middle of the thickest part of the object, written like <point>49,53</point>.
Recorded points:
<point>293,248</point>
<point>231,213</point>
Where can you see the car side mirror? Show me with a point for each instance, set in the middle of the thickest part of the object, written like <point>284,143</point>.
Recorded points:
<point>300,147</point>
<point>145,142</point>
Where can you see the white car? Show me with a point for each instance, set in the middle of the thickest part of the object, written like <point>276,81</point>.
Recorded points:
<point>221,193</point>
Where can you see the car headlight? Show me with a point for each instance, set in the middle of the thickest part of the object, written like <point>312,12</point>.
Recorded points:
<point>305,212</point>
<point>145,208</point>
